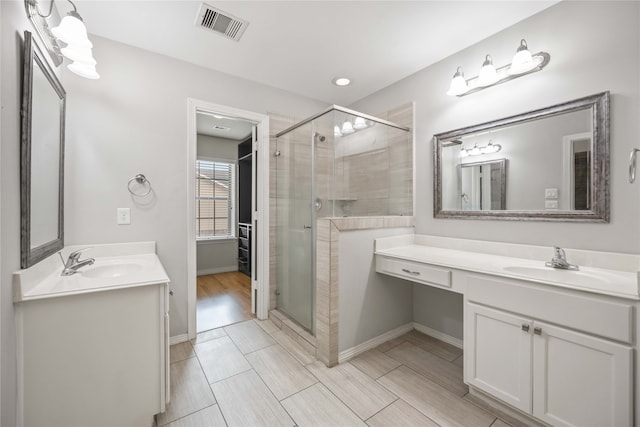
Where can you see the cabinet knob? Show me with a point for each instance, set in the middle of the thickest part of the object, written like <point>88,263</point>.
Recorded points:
<point>171,292</point>
<point>525,327</point>
<point>537,331</point>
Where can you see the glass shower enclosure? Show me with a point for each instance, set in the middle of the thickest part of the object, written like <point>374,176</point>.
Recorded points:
<point>339,163</point>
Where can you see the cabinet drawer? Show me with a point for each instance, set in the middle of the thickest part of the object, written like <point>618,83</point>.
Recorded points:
<point>595,315</point>
<point>414,271</point>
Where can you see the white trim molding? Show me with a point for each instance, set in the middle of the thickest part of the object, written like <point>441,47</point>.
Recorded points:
<point>217,270</point>
<point>177,339</point>
<point>374,342</point>
<point>456,342</point>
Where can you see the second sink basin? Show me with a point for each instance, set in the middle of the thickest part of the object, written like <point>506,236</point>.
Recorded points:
<point>580,277</point>
<point>111,270</point>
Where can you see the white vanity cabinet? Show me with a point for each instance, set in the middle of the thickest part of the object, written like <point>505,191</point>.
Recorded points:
<point>517,352</point>
<point>559,346</point>
<point>94,359</point>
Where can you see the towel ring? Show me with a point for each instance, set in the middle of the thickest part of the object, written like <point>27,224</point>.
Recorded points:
<point>142,180</point>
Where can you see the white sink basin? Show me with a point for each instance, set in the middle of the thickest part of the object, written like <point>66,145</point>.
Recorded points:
<point>583,277</point>
<point>116,266</point>
<point>111,270</point>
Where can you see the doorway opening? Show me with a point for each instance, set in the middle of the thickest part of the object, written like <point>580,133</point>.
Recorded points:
<point>224,166</point>
<point>225,206</point>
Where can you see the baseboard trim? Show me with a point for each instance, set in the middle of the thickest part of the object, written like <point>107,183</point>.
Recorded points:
<point>216,270</point>
<point>456,342</point>
<point>374,342</point>
<point>177,339</point>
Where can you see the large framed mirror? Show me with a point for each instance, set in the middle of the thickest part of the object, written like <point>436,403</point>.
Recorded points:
<point>41,157</point>
<point>557,158</point>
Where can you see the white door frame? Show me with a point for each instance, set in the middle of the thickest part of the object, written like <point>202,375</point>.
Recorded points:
<point>260,216</point>
<point>568,173</point>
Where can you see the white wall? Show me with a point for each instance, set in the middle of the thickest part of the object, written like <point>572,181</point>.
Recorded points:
<point>134,120</point>
<point>211,147</point>
<point>13,24</point>
<point>370,303</point>
<point>594,47</point>
<point>216,256</point>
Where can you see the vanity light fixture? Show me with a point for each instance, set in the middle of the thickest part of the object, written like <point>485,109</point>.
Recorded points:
<point>476,151</point>
<point>70,31</point>
<point>523,63</point>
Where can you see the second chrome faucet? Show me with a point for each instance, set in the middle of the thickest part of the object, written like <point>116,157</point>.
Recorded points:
<point>559,260</point>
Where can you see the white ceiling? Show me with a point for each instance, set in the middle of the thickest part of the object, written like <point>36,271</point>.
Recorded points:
<point>300,46</point>
<point>223,127</point>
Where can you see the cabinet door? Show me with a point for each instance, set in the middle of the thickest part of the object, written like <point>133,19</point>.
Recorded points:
<point>498,354</point>
<point>580,380</point>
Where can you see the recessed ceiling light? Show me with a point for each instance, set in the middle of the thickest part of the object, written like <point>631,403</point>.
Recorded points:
<point>341,81</point>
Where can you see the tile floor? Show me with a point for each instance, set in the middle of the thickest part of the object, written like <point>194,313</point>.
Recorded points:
<point>252,374</point>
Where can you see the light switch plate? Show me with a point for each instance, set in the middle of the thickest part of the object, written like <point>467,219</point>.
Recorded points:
<point>550,193</point>
<point>124,216</point>
<point>551,204</point>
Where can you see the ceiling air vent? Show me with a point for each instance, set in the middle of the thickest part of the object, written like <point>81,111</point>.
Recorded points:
<point>221,22</point>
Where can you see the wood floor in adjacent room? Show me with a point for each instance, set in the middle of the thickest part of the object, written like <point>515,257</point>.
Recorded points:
<point>223,299</point>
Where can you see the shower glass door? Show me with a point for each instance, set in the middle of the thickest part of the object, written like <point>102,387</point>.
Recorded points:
<point>295,224</point>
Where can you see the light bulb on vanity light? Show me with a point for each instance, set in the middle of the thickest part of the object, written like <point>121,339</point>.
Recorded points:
<point>458,84</point>
<point>347,128</point>
<point>359,123</point>
<point>522,60</point>
<point>336,131</point>
<point>84,69</point>
<point>72,30</point>
<point>488,74</point>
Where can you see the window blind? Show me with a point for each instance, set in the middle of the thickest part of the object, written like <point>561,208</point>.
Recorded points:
<point>215,190</point>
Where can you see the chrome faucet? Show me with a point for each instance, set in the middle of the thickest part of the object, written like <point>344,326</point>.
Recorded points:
<point>559,260</point>
<point>73,262</point>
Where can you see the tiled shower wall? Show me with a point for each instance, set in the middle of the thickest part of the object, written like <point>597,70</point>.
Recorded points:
<point>374,173</point>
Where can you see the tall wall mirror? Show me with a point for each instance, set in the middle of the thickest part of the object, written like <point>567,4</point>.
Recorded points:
<point>41,157</point>
<point>550,164</point>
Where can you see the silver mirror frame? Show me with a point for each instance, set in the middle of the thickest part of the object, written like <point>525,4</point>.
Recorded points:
<point>600,192</point>
<point>33,56</point>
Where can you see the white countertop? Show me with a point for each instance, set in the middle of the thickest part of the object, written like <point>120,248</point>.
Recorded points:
<point>593,278</point>
<point>116,266</point>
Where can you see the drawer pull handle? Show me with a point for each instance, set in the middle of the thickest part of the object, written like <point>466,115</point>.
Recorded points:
<point>537,331</point>
<point>525,327</point>
<point>415,273</point>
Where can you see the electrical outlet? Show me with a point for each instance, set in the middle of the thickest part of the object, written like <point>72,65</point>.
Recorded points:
<point>551,204</point>
<point>124,216</point>
<point>550,193</point>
